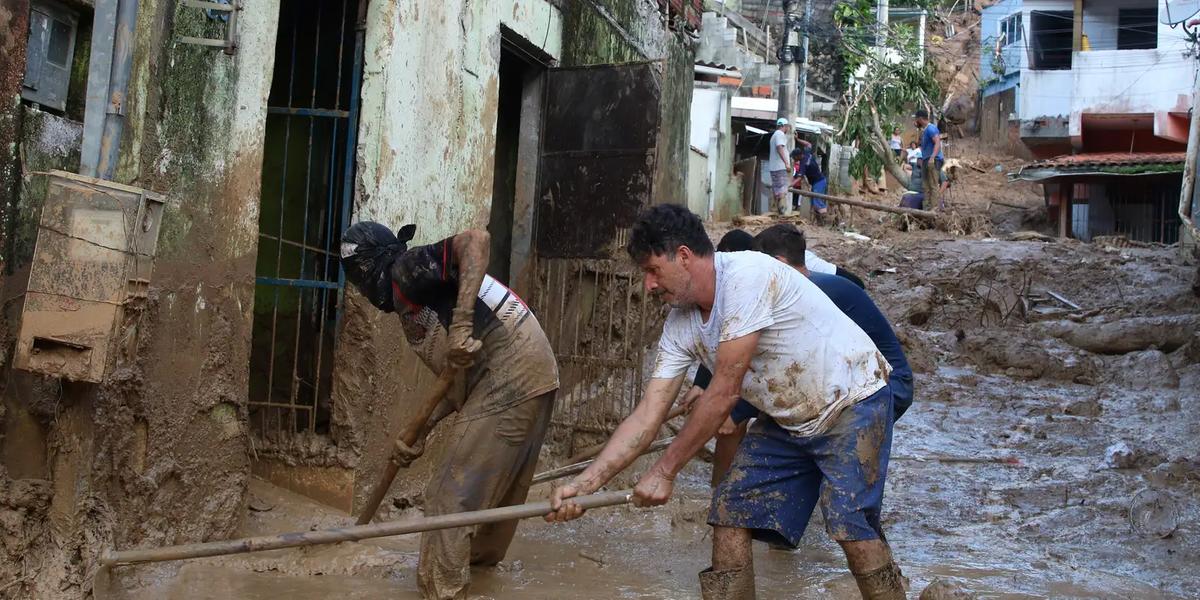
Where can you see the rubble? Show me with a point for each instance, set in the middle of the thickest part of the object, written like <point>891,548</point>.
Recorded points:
<point>1119,456</point>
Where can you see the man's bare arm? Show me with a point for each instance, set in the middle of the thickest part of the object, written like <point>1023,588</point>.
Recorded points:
<point>472,250</point>
<point>733,360</point>
<point>634,434</point>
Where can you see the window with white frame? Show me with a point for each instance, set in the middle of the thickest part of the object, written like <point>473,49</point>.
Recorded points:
<point>1011,29</point>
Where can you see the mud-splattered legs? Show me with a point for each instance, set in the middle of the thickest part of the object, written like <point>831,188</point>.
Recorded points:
<point>727,445</point>
<point>731,548</point>
<point>877,575</point>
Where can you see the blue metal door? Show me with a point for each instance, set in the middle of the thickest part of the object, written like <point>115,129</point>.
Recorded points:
<point>307,190</point>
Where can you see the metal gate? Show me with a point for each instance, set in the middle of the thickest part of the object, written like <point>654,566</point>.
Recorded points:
<point>307,190</point>
<point>596,172</point>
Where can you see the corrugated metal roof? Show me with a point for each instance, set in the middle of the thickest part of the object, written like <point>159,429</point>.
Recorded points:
<point>1110,159</point>
<point>1101,163</point>
<point>715,65</point>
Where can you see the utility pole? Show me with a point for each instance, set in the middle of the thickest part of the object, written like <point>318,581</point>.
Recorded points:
<point>789,58</point>
<point>1188,191</point>
<point>881,24</point>
<point>788,67</point>
<point>802,82</point>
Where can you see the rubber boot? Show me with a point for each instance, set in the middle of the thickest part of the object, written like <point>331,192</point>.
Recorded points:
<point>884,583</point>
<point>730,584</point>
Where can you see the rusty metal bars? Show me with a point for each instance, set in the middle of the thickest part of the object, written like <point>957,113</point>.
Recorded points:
<point>306,283</point>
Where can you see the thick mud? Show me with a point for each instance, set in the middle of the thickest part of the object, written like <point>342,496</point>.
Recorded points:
<point>1000,486</point>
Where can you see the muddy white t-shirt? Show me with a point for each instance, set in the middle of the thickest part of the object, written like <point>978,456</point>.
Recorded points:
<point>812,360</point>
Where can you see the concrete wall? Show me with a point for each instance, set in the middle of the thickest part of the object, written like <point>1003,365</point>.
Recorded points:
<point>157,453</point>
<point>719,197</point>
<point>1045,94</point>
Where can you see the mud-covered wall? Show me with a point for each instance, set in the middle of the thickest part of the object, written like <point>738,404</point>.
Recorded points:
<point>620,31</point>
<point>426,155</point>
<point>14,28</point>
<point>157,453</point>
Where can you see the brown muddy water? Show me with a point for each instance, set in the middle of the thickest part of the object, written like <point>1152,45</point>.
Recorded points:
<point>1056,524</point>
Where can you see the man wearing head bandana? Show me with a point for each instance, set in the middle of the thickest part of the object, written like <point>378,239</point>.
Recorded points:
<point>456,316</point>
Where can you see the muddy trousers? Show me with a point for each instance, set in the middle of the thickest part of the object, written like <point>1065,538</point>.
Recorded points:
<point>489,462</point>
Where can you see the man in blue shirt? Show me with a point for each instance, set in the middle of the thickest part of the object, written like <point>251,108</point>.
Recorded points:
<point>931,147</point>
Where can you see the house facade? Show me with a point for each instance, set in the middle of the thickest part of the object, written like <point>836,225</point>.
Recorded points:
<point>1097,76</point>
<point>265,131</point>
<point>1099,93</point>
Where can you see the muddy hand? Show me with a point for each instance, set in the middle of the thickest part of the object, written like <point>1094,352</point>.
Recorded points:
<point>564,509</point>
<point>728,427</point>
<point>690,398</point>
<point>653,489</point>
<point>463,348</point>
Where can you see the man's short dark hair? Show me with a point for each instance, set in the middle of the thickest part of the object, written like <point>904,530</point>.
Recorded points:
<point>783,239</point>
<point>921,114</point>
<point>663,229</point>
<point>737,240</point>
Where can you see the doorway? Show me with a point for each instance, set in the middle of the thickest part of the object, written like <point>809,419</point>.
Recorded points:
<point>518,127</point>
<point>307,187</point>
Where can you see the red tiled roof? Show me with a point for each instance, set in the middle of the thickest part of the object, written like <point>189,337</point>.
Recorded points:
<point>1112,159</point>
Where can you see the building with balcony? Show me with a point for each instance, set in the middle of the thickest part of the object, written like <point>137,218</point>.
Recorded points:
<point>1099,92</point>
<point>1065,77</point>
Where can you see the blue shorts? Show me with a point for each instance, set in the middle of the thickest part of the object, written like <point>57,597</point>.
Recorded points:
<point>777,478</point>
<point>820,187</point>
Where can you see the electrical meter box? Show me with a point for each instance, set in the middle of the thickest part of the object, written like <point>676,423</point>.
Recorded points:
<point>89,276</point>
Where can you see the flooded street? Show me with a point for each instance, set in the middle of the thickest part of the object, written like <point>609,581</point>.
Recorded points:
<point>998,481</point>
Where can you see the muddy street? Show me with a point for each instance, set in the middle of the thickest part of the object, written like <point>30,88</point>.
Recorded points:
<point>1000,480</point>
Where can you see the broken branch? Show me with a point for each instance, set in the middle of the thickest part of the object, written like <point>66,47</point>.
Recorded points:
<point>900,210</point>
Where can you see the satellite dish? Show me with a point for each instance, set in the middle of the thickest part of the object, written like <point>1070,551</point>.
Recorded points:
<point>1179,11</point>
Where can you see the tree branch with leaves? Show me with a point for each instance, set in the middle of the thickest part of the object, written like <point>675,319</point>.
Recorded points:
<point>883,85</point>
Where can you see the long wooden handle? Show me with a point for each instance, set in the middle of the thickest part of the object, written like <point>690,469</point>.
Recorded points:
<point>409,436</point>
<point>355,533</point>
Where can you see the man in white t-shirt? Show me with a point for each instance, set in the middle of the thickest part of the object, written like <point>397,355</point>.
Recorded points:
<point>773,338</point>
<point>780,166</point>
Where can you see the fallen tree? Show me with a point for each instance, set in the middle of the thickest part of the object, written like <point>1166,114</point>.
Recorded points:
<point>900,210</point>
<point>1167,333</point>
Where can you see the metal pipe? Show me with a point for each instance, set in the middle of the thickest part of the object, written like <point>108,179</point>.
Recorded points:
<point>104,25</point>
<point>353,534</point>
<point>118,88</point>
<point>705,70</point>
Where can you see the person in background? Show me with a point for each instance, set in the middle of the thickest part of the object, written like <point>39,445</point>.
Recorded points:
<point>896,143</point>
<point>913,155</point>
<point>780,167</point>
<point>931,154</point>
<point>810,168</point>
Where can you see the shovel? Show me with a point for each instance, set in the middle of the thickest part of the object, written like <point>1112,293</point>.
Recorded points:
<point>413,431</point>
